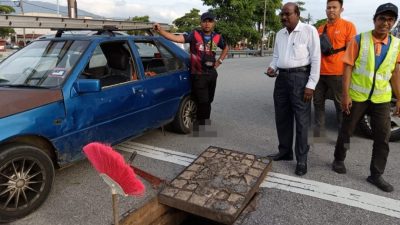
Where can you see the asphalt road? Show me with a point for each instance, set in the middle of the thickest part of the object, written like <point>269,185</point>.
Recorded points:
<point>243,118</point>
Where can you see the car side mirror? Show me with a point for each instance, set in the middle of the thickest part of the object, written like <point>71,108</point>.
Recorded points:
<point>87,85</point>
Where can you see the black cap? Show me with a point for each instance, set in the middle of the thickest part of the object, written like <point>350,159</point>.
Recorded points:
<point>387,7</point>
<point>207,15</point>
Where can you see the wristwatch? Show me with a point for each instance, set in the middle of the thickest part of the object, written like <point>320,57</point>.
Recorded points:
<point>220,61</point>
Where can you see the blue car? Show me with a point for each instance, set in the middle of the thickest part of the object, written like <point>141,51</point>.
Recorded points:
<point>58,94</point>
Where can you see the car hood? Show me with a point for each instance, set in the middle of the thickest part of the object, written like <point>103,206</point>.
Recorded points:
<point>15,100</point>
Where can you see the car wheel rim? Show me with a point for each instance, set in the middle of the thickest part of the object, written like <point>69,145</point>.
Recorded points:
<point>394,123</point>
<point>22,181</point>
<point>395,120</point>
<point>189,113</point>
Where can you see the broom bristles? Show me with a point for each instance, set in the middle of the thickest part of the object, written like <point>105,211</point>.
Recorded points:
<point>106,160</point>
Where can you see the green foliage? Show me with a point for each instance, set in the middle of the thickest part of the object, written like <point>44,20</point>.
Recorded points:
<point>272,21</point>
<point>188,22</point>
<point>302,9</point>
<point>301,5</point>
<point>5,32</point>
<point>144,19</point>
<point>5,9</point>
<point>238,19</point>
<point>320,22</point>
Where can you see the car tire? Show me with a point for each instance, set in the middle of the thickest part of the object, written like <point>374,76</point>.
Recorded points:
<point>183,121</point>
<point>26,178</point>
<point>365,127</point>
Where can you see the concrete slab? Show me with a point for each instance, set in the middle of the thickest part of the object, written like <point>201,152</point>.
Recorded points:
<point>218,184</point>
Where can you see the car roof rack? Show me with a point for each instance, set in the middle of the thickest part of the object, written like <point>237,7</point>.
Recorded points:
<point>62,23</point>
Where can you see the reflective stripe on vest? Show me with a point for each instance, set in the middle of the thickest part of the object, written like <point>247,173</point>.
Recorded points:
<point>363,74</point>
<point>196,54</point>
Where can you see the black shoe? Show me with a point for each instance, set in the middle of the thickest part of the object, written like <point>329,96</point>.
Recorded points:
<point>339,167</point>
<point>279,157</point>
<point>380,183</point>
<point>301,169</point>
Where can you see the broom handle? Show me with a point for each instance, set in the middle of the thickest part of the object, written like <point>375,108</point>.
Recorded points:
<point>115,208</point>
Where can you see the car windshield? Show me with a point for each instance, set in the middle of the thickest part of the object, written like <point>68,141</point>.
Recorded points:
<point>41,64</point>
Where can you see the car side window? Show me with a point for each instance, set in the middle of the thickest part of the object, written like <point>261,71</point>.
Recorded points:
<point>112,63</point>
<point>157,59</point>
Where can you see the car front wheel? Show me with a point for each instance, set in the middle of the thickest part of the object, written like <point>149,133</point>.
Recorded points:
<point>183,121</point>
<point>26,178</point>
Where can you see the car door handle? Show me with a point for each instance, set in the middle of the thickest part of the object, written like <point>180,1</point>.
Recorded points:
<point>183,77</point>
<point>137,90</point>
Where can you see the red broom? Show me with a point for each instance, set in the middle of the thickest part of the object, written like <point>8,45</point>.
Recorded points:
<point>115,172</point>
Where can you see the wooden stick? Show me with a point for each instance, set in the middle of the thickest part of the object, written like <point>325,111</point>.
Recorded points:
<point>115,207</point>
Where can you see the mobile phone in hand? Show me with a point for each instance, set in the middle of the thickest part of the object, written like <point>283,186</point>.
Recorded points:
<point>270,75</point>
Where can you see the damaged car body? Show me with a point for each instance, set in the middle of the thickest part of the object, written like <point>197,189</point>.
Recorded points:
<point>61,93</point>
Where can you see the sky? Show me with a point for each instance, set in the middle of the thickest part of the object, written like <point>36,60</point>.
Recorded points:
<point>360,12</point>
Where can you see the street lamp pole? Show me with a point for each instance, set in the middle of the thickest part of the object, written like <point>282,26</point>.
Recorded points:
<point>19,3</point>
<point>22,11</point>
<point>263,28</point>
<point>58,8</point>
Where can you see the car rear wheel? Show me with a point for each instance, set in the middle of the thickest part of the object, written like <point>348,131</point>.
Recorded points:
<point>183,121</point>
<point>26,178</point>
<point>365,126</point>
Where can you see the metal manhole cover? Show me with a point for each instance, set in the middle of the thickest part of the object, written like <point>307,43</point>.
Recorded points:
<point>217,185</point>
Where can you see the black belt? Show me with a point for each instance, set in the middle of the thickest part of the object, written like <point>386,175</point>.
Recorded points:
<point>295,69</point>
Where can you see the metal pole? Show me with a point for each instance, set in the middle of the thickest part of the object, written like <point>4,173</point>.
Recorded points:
<point>58,8</point>
<point>263,29</point>
<point>72,9</point>
<point>22,12</point>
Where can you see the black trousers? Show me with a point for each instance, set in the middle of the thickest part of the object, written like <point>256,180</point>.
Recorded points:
<point>327,84</point>
<point>203,91</point>
<point>380,123</point>
<point>290,107</point>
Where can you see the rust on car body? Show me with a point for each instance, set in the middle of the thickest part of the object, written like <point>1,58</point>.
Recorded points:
<point>15,100</point>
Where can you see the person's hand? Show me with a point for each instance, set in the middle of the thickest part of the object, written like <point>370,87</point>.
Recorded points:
<point>217,64</point>
<point>271,72</point>
<point>397,109</point>
<point>157,27</point>
<point>308,94</point>
<point>346,104</point>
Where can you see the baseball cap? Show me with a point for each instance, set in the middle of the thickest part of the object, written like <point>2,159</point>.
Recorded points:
<point>207,15</point>
<point>387,7</point>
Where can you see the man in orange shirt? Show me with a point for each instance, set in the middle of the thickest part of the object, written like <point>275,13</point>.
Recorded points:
<point>339,32</point>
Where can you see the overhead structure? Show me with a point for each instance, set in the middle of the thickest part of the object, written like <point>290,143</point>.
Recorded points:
<point>57,23</point>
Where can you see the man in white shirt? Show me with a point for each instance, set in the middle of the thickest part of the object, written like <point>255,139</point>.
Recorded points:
<point>297,57</point>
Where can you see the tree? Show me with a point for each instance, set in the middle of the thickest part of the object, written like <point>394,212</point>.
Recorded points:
<point>320,22</point>
<point>189,21</point>
<point>301,5</point>
<point>272,21</point>
<point>144,19</point>
<point>235,19</point>
<point>302,9</point>
<point>5,9</point>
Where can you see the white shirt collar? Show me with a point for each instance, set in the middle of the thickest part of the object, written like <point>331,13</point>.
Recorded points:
<point>297,28</point>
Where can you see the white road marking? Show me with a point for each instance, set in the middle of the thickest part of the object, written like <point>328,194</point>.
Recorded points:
<point>346,196</point>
